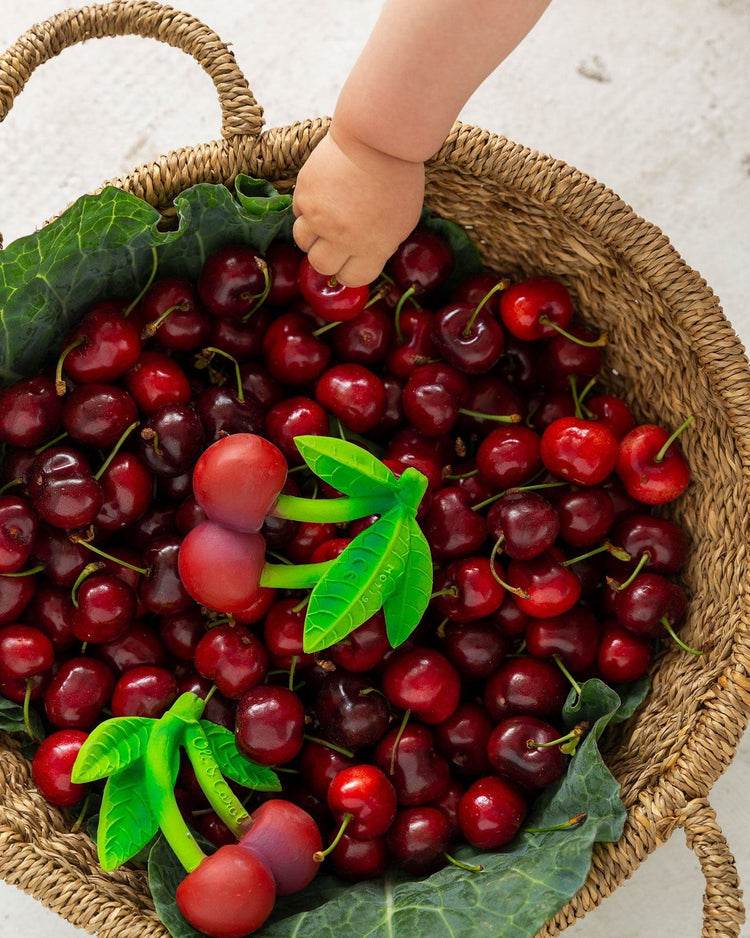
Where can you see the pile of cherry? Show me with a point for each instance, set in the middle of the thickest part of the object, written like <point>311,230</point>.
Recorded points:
<point>551,565</point>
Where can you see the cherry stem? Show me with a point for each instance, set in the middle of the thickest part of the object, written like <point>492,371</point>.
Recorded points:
<point>500,418</point>
<point>670,440</point>
<point>82,813</point>
<point>77,539</point>
<point>464,475</point>
<point>49,443</point>
<point>515,590</point>
<point>675,637</point>
<point>90,568</point>
<point>407,294</point>
<point>39,568</point>
<point>27,710</point>
<point>448,591</point>
<point>115,450</point>
<point>573,682</point>
<point>152,274</point>
<point>519,488</point>
<point>259,297</point>
<point>60,385</point>
<point>571,822</point>
<point>500,285</point>
<point>642,561</point>
<point>586,343</point>
<point>211,351</point>
<point>605,548</point>
<point>327,327</point>
<point>469,867</point>
<point>329,745</point>
<point>10,484</point>
<point>151,328</point>
<point>397,740</point>
<point>320,855</point>
<point>567,743</point>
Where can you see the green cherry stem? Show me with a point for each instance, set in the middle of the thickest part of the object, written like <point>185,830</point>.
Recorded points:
<point>676,638</point>
<point>663,451</point>
<point>500,285</point>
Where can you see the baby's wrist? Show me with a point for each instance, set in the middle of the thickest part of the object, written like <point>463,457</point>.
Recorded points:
<point>363,153</point>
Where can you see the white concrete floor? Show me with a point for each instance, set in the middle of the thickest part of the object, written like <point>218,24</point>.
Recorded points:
<point>652,99</point>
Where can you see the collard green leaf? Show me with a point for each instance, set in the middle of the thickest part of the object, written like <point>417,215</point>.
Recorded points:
<point>12,719</point>
<point>112,746</point>
<point>347,467</point>
<point>49,278</point>
<point>357,583</point>
<point>407,603</point>
<point>519,888</point>
<point>233,764</point>
<point>127,821</point>
<point>466,255</point>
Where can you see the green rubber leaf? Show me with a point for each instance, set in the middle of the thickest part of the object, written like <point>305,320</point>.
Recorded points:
<point>519,888</point>
<point>356,585</point>
<point>349,468</point>
<point>407,603</point>
<point>48,279</point>
<point>127,821</point>
<point>111,747</point>
<point>233,764</point>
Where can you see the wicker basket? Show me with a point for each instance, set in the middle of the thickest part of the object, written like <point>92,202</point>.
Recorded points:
<point>672,352</point>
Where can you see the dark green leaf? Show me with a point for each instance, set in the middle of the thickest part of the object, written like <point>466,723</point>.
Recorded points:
<point>127,820</point>
<point>349,468</point>
<point>12,719</point>
<point>466,255</point>
<point>407,603</point>
<point>112,746</point>
<point>165,873</point>
<point>631,697</point>
<point>106,242</point>
<point>520,886</point>
<point>233,764</point>
<point>357,583</point>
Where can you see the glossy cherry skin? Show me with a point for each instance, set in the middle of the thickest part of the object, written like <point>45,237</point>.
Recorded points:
<point>472,590</point>
<point>97,415</point>
<point>575,355</point>
<point>525,684</point>
<point>491,812</point>
<point>353,394</point>
<point>525,305</point>
<point>228,492</point>
<point>470,340</point>
<point>292,352</point>
<point>423,261</point>
<point>491,395</point>
<point>162,590</point>
<point>25,651</point>
<point>550,587</point>
<point>357,860</point>
<point>580,451</point>
<point>474,648</point>
<point>518,749</point>
<point>242,339</point>
<point>62,488</point>
<point>509,456</point>
<point>422,680</point>
<point>106,606</point>
<point>330,299</point>
<point>144,691</point>
<point>233,658</point>
<point>586,516</point>
<point>418,839</point>
<point>622,656</point>
<point>350,711</point>
<point>433,396</point>
<point>415,343</point>
<point>52,766</point>
<point>106,345</point>
<point>462,739</point>
<point>287,838</point>
<point>229,895</point>
<point>665,542</point>
<point>525,523</point>
<point>173,315</point>
<point>283,259</point>
<point>364,792</point>
<point>613,411</point>
<point>572,635</point>
<point>364,648</point>
<point>366,338</point>
<point>413,766</point>
<point>283,634</point>
<point>452,529</point>
<point>293,417</point>
<point>127,491</point>
<point>171,439</point>
<point>78,692</point>
<point>18,529</point>
<point>646,601</point>
<point>652,481</point>
<point>232,280</point>
<point>319,765</point>
<point>155,380</point>
<point>30,412</point>
<point>270,724</point>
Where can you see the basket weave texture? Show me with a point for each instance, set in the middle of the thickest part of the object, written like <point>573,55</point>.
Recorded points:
<point>671,353</point>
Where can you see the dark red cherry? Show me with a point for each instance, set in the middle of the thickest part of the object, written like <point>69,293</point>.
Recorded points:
<point>18,530</point>
<point>102,347</point>
<point>519,749</point>
<point>233,281</point>
<point>572,636</point>
<point>413,766</point>
<point>422,680</point>
<point>62,489</point>
<point>156,380</point>
<point>270,724</point>
<point>469,338</point>
<point>353,394</point>
<point>423,261</point>
<point>490,812</point>
<point>174,316</point>
<point>30,412</point>
<point>418,839</point>
<point>525,524</point>
<point>52,767</point>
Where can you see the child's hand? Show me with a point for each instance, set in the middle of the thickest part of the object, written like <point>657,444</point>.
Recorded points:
<point>354,206</point>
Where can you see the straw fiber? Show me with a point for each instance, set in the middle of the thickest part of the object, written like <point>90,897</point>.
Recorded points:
<point>671,353</point>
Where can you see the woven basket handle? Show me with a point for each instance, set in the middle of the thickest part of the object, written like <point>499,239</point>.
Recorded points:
<point>241,114</point>
<point>723,910</point>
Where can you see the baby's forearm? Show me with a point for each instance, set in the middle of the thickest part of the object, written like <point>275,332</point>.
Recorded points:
<point>421,64</point>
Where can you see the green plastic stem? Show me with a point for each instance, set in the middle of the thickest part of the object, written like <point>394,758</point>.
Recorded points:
<point>213,784</point>
<point>326,510</point>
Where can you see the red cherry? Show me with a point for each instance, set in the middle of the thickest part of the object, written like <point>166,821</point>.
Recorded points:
<point>491,812</point>
<point>52,766</point>
<point>102,347</point>
<point>232,281</point>
<point>530,309</point>
<point>580,451</point>
<point>328,298</point>
<point>652,471</point>
<point>364,792</point>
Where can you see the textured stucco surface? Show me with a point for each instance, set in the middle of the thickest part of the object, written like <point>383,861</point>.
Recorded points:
<point>651,99</point>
